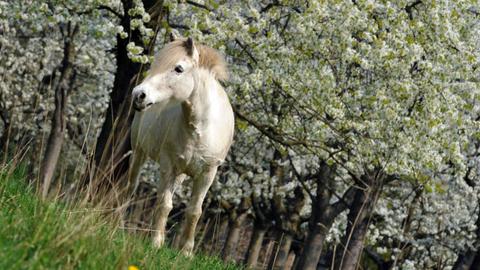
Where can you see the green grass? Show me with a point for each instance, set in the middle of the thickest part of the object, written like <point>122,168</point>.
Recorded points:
<point>50,235</point>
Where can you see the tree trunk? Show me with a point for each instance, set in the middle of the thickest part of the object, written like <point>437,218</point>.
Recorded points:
<point>255,246</point>
<point>476,262</point>
<point>218,242</point>
<point>5,139</point>
<point>117,117</point>
<point>5,116</point>
<point>52,152</point>
<point>350,256</point>
<point>206,230</point>
<point>110,160</point>
<point>284,250</point>
<point>113,129</point>
<point>314,243</point>
<point>470,259</point>
<point>57,131</point>
<point>321,220</point>
<point>235,226</point>
<point>210,235</point>
<point>358,219</point>
<point>290,261</point>
<point>464,260</point>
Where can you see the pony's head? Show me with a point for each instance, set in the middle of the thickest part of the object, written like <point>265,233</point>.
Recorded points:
<point>173,75</point>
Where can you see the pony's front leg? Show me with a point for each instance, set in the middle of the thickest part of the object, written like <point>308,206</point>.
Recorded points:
<point>125,195</point>
<point>165,194</point>
<point>136,162</point>
<point>201,184</point>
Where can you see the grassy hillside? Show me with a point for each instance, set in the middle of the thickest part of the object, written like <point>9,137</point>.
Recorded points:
<point>49,235</point>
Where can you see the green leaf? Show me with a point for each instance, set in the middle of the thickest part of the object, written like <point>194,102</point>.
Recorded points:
<point>428,188</point>
<point>242,125</point>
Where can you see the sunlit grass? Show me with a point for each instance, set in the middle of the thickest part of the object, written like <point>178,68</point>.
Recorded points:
<point>51,235</point>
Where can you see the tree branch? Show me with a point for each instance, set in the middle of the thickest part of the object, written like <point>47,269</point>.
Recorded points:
<point>198,5</point>
<point>111,10</point>
<point>269,132</point>
<point>245,48</point>
<point>301,179</point>
<point>409,8</point>
<point>275,3</point>
<point>345,201</point>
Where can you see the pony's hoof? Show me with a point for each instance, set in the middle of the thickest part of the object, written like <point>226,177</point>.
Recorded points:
<point>187,253</point>
<point>158,241</point>
<point>187,249</point>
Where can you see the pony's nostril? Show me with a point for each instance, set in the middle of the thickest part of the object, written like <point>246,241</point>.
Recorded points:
<point>141,96</point>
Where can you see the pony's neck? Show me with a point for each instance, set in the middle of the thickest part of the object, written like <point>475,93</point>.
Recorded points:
<point>196,108</point>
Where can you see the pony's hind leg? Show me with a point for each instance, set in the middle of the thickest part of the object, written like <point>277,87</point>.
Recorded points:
<point>201,184</point>
<point>165,192</point>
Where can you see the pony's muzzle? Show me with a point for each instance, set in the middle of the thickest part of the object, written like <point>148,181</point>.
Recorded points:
<point>139,99</point>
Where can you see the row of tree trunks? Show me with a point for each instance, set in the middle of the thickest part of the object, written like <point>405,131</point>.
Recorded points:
<point>360,200</point>
<point>58,122</point>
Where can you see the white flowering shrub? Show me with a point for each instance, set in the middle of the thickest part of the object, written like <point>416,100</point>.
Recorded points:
<point>32,50</point>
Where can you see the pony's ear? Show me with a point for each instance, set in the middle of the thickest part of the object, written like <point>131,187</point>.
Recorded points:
<point>172,36</point>
<point>191,48</point>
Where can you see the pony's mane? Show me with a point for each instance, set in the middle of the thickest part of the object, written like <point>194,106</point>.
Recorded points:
<point>209,58</point>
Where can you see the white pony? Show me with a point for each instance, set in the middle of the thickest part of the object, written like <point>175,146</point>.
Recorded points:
<point>185,122</point>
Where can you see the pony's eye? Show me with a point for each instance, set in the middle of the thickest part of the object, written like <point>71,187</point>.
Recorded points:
<point>178,69</point>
